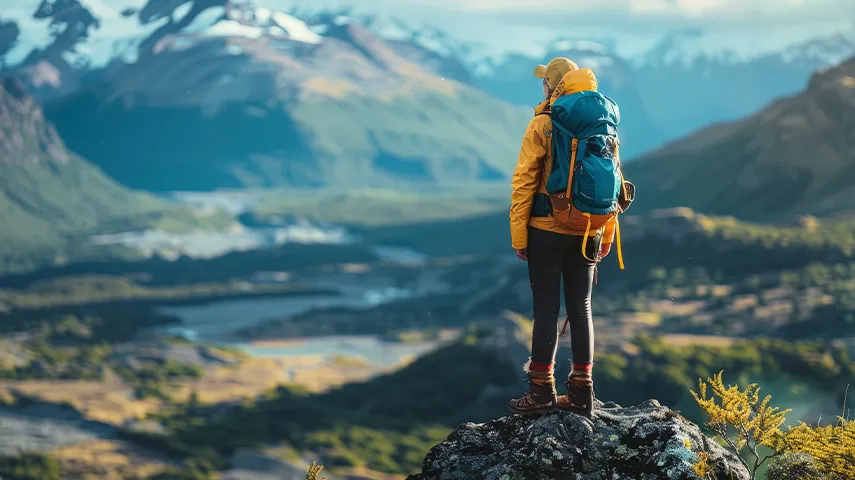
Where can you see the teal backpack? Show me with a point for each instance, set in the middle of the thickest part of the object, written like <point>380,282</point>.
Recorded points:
<point>585,186</point>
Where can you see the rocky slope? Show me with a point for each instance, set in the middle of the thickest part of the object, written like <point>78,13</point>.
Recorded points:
<point>45,189</point>
<point>796,156</point>
<point>645,442</point>
<point>223,95</point>
<point>52,200</point>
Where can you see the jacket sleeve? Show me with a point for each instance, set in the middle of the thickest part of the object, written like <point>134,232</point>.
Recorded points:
<point>526,179</point>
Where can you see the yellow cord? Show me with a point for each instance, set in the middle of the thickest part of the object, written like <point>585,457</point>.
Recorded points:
<point>617,240</point>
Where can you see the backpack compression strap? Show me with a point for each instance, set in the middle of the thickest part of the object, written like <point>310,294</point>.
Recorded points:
<point>617,241</point>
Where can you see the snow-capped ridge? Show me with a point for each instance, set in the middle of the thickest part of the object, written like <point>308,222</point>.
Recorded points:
<point>258,22</point>
<point>831,50</point>
<point>686,48</point>
<point>97,33</point>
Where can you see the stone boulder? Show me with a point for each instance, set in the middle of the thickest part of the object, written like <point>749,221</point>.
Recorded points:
<point>645,442</point>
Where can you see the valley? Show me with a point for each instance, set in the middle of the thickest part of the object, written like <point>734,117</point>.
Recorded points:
<point>378,321</point>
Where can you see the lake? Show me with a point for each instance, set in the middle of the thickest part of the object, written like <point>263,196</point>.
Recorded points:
<point>216,322</point>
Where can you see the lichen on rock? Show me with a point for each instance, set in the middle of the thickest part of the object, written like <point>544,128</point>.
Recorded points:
<point>645,442</point>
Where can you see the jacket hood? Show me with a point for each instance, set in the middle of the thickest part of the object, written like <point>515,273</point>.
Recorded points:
<point>574,82</point>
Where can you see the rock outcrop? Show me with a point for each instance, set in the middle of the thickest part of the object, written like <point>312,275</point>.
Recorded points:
<point>645,442</point>
<point>25,136</point>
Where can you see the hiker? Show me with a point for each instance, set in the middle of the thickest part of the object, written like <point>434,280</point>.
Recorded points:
<point>567,192</point>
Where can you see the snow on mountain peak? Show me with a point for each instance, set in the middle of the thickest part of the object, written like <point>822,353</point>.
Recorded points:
<point>97,32</point>
<point>296,28</point>
<point>205,19</point>
<point>390,28</point>
<point>581,45</point>
<point>830,50</point>
<point>681,48</point>
<point>255,23</point>
<point>688,48</point>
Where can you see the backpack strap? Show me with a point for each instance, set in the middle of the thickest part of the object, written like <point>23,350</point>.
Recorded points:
<point>625,194</point>
<point>617,242</point>
<point>585,241</point>
<point>547,110</point>
<point>574,147</point>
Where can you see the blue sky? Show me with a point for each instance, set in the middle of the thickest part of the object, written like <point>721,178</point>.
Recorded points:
<point>747,26</point>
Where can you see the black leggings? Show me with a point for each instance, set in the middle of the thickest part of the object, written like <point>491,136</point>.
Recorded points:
<point>550,257</point>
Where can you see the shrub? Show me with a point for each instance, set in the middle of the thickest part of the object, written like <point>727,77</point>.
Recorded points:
<point>313,470</point>
<point>30,466</point>
<point>745,422</point>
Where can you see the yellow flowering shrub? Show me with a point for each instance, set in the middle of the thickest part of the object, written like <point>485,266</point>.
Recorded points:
<point>832,447</point>
<point>313,471</point>
<point>744,422</point>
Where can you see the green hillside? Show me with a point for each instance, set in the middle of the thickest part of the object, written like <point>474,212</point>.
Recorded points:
<point>332,116</point>
<point>51,199</point>
<point>797,156</point>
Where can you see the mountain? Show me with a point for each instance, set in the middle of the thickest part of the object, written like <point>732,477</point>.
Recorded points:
<point>716,86</point>
<point>427,46</point>
<point>223,95</point>
<point>796,156</point>
<point>54,201</point>
<point>46,192</point>
<point>90,50</point>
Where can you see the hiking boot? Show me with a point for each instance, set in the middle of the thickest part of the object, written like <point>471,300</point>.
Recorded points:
<point>580,396</point>
<point>541,396</point>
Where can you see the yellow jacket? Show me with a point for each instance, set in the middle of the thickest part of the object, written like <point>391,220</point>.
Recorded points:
<point>536,150</point>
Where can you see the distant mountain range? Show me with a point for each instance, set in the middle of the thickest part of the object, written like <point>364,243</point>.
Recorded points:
<point>671,90</point>
<point>222,95</point>
<point>795,156</point>
<point>205,94</point>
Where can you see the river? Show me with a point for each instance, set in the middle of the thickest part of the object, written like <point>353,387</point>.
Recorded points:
<point>217,322</point>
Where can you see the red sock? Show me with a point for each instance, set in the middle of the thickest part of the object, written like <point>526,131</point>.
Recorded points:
<point>583,369</point>
<point>542,366</point>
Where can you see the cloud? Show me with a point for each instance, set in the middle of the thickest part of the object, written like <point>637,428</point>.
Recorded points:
<point>691,8</point>
<point>729,8</point>
<point>621,13</point>
<point>736,10</point>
